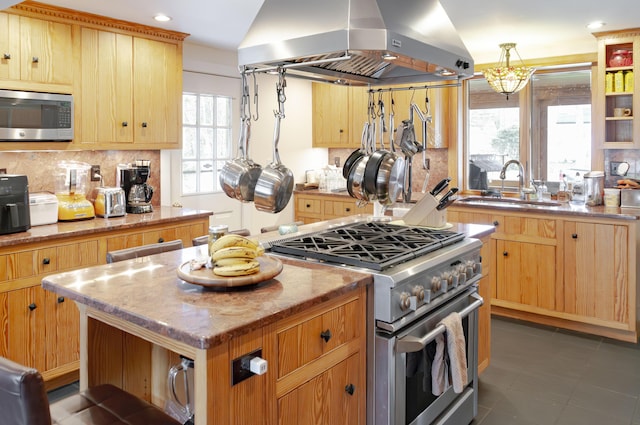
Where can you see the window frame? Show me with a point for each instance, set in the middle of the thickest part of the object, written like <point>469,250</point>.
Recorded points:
<point>525,104</point>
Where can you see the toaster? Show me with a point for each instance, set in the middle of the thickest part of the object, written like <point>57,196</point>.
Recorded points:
<point>110,202</point>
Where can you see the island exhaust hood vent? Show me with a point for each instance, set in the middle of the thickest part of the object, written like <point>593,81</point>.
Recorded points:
<point>357,42</point>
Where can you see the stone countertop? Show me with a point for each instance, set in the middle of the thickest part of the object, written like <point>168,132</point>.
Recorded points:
<point>147,292</point>
<point>564,208</point>
<point>61,229</point>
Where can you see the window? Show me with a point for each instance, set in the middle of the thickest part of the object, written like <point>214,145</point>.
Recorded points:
<point>557,141</point>
<point>206,141</point>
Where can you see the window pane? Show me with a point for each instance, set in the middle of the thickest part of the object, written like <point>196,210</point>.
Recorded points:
<point>189,108</point>
<point>189,184</point>
<point>206,176</point>
<point>223,143</point>
<point>206,143</point>
<point>189,147</point>
<point>562,113</point>
<point>494,134</point>
<point>206,110</point>
<point>223,112</point>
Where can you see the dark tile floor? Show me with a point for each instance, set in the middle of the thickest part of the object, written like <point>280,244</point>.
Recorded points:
<point>547,376</point>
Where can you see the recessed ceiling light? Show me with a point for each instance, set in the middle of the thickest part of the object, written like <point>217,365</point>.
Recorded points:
<point>595,25</point>
<point>162,18</point>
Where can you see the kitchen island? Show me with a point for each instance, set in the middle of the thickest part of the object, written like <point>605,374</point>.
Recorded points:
<point>137,316</point>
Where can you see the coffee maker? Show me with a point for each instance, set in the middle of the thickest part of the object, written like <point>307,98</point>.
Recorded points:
<point>133,179</point>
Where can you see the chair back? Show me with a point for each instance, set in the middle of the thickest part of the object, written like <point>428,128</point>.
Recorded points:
<point>204,239</point>
<point>143,251</point>
<point>23,398</point>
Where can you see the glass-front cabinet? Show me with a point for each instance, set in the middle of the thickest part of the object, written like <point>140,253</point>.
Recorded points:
<point>617,79</point>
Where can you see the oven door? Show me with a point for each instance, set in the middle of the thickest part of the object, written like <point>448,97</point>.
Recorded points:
<point>403,370</point>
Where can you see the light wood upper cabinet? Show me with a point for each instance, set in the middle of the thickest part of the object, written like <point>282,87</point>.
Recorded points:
<point>330,111</point>
<point>131,91</point>
<point>35,51</point>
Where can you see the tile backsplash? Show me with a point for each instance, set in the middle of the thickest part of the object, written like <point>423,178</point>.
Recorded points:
<point>39,166</point>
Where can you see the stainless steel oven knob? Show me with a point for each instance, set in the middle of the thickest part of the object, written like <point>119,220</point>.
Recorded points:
<point>408,301</point>
<point>436,284</point>
<point>418,292</point>
<point>462,273</point>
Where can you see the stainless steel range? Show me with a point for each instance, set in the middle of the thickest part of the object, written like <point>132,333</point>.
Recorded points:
<point>420,276</point>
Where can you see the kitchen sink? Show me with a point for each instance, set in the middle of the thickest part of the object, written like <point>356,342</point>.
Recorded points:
<point>487,200</point>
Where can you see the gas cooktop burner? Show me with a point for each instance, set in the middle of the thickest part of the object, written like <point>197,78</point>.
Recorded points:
<point>372,245</point>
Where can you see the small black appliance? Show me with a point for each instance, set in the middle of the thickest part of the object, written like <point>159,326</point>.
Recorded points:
<point>14,204</point>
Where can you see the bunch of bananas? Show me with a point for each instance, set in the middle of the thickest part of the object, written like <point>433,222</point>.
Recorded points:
<point>235,255</point>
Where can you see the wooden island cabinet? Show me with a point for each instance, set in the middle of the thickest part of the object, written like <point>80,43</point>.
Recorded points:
<point>312,206</point>
<point>41,328</point>
<point>570,267</point>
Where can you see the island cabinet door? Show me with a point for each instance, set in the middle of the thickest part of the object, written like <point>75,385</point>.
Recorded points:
<point>596,273</point>
<point>330,398</point>
<point>24,339</point>
<point>62,330</point>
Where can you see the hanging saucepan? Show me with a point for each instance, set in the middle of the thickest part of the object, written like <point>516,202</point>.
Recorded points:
<point>275,185</point>
<point>356,180</point>
<point>238,176</point>
<point>374,162</point>
<point>390,178</point>
<point>351,159</point>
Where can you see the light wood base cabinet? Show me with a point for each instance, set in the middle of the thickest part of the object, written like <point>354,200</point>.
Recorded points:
<point>572,272</point>
<point>311,208</point>
<point>41,328</point>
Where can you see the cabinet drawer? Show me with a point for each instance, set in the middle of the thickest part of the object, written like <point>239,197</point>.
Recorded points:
<point>301,343</point>
<point>309,206</point>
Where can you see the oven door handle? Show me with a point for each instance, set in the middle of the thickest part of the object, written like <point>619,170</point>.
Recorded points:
<point>410,344</point>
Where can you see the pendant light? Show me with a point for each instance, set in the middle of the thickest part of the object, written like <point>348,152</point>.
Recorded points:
<point>506,78</point>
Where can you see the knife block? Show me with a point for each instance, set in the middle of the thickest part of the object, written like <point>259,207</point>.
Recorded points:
<point>424,213</point>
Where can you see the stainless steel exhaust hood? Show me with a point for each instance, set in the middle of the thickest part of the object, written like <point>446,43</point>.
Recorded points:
<point>357,42</point>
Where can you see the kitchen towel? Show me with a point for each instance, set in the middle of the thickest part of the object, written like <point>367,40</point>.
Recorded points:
<point>450,363</point>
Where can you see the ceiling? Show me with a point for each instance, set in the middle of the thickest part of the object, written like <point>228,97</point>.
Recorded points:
<point>541,28</point>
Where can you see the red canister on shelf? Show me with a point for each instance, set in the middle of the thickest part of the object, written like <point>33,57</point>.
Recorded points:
<point>621,57</point>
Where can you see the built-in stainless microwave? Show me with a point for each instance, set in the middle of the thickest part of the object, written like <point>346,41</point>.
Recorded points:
<point>33,116</point>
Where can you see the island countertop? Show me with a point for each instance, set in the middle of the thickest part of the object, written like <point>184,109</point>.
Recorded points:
<point>147,292</point>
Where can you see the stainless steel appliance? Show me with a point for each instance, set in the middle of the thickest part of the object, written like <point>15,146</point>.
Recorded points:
<point>110,202</point>
<point>357,42</point>
<point>32,116</point>
<point>420,276</point>
<point>133,179</point>
<point>14,204</point>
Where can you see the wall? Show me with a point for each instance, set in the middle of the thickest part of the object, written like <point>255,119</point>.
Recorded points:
<point>40,166</point>
<point>632,156</point>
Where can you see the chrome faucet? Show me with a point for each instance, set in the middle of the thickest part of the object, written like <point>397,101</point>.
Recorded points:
<point>520,175</point>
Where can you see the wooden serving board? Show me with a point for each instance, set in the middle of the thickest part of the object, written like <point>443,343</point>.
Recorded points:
<point>270,267</point>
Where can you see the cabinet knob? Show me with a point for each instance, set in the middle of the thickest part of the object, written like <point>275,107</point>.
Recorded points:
<point>341,131</point>
<point>6,56</point>
<point>160,240</point>
<point>308,205</point>
<point>350,389</point>
<point>348,209</point>
<point>505,253</point>
<point>125,124</point>
<point>144,125</point>
<point>326,335</point>
<point>60,300</point>
<point>35,59</point>
<point>46,260</point>
<point>32,306</point>
<point>496,222</point>
<point>574,235</point>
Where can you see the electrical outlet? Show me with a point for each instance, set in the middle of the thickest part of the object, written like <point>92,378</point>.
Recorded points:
<point>336,161</point>
<point>614,168</point>
<point>95,173</point>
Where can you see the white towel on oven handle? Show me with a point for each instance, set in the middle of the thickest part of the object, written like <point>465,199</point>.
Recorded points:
<point>450,363</point>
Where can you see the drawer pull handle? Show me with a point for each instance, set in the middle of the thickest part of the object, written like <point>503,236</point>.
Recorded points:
<point>308,205</point>
<point>6,56</point>
<point>35,59</point>
<point>341,131</point>
<point>505,253</point>
<point>60,300</point>
<point>496,222</point>
<point>144,125</point>
<point>574,235</point>
<point>350,389</point>
<point>326,335</point>
<point>46,260</point>
<point>160,240</point>
<point>125,123</point>
<point>348,209</point>
<point>32,306</point>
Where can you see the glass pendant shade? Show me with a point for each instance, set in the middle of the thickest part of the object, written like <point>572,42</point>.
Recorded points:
<point>505,78</point>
